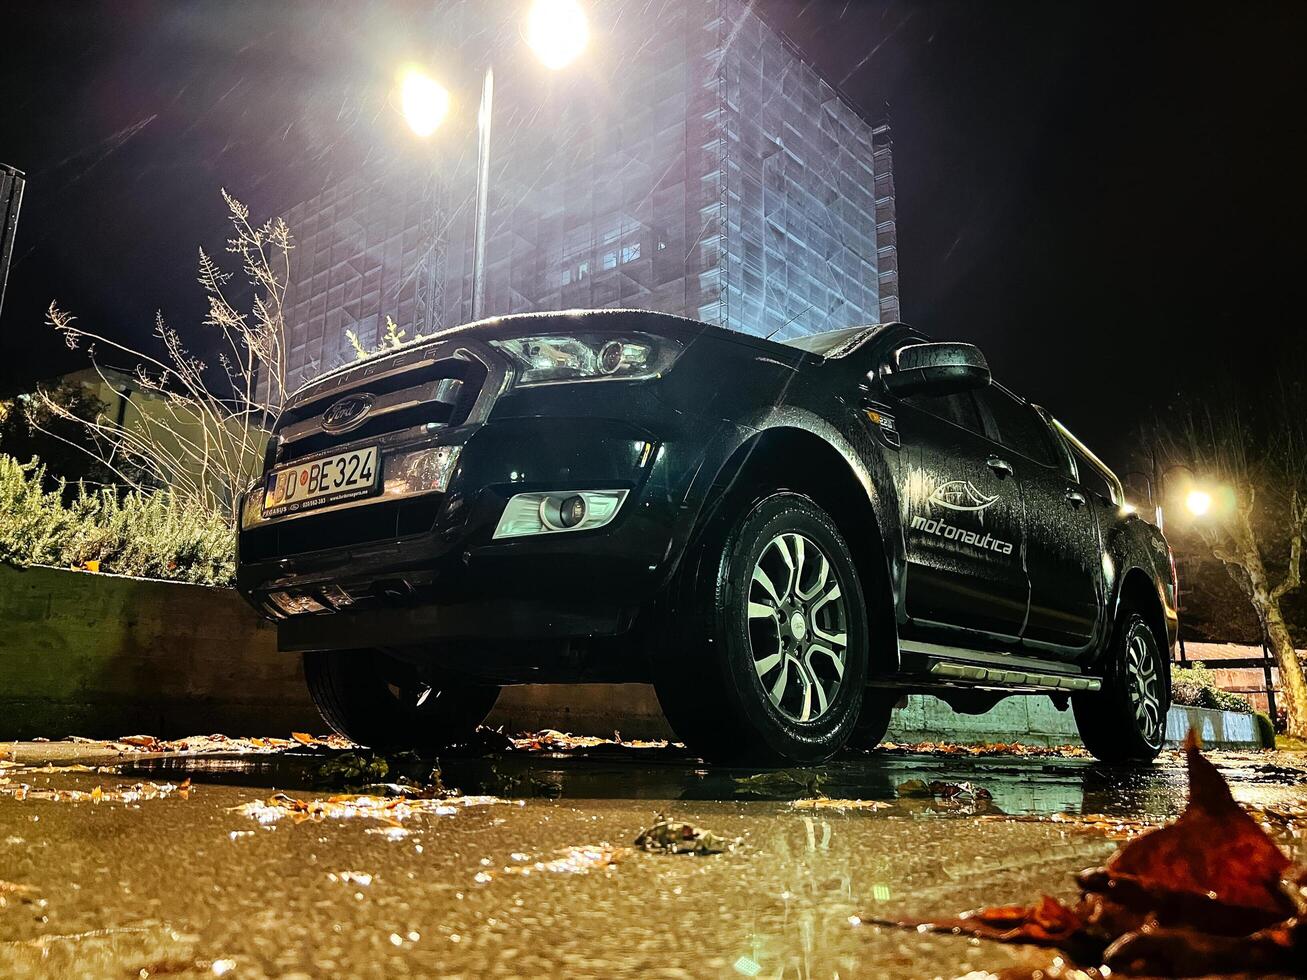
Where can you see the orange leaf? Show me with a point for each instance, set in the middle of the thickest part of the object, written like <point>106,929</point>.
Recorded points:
<point>1050,923</point>
<point>1215,851</point>
<point>303,738</point>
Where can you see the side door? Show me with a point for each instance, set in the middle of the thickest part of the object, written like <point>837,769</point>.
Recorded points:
<point>1063,551</point>
<point>962,523</point>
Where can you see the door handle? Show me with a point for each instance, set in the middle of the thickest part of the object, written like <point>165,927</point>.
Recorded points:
<point>999,465</point>
<point>1076,499</point>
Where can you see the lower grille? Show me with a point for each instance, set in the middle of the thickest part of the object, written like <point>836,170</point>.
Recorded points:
<point>367,524</point>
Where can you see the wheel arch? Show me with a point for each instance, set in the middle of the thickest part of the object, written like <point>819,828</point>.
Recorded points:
<point>787,457</point>
<point>1138,591</point>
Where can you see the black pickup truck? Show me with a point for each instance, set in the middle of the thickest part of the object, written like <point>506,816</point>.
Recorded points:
<point>784,538</point>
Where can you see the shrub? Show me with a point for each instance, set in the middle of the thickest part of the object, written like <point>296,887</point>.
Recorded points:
<point>1265,729</point>
<point>153,535</point>
<point>1196,687</point>
<point>33,522</point>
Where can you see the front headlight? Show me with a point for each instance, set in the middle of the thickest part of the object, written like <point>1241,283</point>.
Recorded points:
<point>589,357</point>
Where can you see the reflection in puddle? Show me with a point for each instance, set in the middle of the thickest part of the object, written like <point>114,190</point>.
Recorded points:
<point>1012,785</point>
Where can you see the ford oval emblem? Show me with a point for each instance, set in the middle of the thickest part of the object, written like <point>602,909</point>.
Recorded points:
<point>347,413</point>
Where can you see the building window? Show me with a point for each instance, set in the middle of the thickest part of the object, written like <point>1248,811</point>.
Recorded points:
<point>609,260</point>
<point>630,252</point>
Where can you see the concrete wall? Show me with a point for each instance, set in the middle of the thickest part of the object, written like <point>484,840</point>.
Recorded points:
<point>632,709</point>
<point>104,655</point>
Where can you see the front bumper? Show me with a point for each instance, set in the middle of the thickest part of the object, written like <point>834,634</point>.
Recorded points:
<point>411,571</point>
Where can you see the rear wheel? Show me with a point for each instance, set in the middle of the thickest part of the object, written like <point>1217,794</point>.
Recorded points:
<point>384,703</point>
<point>764,656</point>
<point>874,717</point>
<point>1125,721</point>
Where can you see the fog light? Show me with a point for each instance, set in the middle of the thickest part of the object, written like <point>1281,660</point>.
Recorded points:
<point>567,510</point>
<point>563,513</point>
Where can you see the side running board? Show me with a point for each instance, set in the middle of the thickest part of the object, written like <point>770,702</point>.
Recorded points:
<point>1013,678</point>
<point>950,665</point>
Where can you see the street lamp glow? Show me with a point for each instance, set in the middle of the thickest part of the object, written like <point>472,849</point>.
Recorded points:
<point>557,31</point>
<point>1199,502</point>
<point>424,101</point>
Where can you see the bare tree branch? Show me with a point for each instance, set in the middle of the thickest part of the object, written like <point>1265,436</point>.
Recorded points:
<point>203,444</point>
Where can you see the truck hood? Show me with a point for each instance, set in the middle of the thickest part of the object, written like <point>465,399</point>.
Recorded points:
<point>679,328</point>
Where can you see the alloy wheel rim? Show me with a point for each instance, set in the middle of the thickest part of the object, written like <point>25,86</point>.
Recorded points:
<point>1145,686</point>
<point>798,627</point>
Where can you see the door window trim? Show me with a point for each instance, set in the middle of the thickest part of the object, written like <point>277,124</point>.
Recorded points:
<point>993,433</point>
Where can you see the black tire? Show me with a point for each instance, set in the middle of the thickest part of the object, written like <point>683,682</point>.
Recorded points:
<point>706,674</point>
<point>874,718</point>
<point>1123,722</point>
<point>380,702</point>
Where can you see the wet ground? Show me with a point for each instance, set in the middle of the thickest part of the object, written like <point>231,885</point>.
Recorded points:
<point>125,869</point>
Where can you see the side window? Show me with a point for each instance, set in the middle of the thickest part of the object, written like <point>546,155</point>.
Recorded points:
<point>1019,427</point>
<point>960,409</point>
<point>1092,478</point>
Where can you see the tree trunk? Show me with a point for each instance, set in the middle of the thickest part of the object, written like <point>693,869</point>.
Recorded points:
<point>1293,687</point>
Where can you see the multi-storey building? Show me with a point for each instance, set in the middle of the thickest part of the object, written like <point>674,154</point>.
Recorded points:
<point>691,162</point>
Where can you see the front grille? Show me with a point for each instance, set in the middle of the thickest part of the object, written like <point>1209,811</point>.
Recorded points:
<point>432,395</point>
<point>319,443</point>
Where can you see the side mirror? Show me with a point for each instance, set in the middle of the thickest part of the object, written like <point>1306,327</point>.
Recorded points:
<point>937,369</point>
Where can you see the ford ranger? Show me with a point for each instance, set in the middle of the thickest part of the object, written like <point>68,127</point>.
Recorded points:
<point>783,538</point>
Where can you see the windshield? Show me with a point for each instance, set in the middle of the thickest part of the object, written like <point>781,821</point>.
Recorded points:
<point>834,343</point>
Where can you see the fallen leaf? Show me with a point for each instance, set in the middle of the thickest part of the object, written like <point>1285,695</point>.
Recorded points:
<point>140,741</point>
<point>822,803</point>
<point>988,748</point>
<point>304,738</point>
<point>782,781</point>
<point>135,793</point>
<point>1214,852</point>
<point>674,837</point>
<point>359,806</point>
<point>1209,894</point>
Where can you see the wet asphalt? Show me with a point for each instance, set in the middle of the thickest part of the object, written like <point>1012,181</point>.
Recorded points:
<point>186,881</point>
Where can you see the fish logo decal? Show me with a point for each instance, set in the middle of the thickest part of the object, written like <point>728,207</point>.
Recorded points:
<point>961,495</point>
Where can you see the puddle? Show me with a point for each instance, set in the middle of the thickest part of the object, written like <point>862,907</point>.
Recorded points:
<point>1015,785</point>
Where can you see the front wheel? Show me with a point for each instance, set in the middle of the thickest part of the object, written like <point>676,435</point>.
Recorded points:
<point>384,703</point>
<point>765,652</point>
<point>1125,721</point>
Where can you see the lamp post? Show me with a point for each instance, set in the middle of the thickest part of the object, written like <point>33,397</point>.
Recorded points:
<point>557,31</point>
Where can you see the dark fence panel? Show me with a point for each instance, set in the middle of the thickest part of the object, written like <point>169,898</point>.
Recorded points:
<point>11,198</point>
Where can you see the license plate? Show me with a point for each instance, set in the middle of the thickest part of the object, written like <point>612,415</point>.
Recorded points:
<point>321,482</point>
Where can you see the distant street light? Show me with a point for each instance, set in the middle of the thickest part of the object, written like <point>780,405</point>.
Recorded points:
<point>424,101</point>
<point>1199,502</point>
<point>557,31</point>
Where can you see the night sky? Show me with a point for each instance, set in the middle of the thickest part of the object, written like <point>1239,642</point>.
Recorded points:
<point>1109,198</point>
